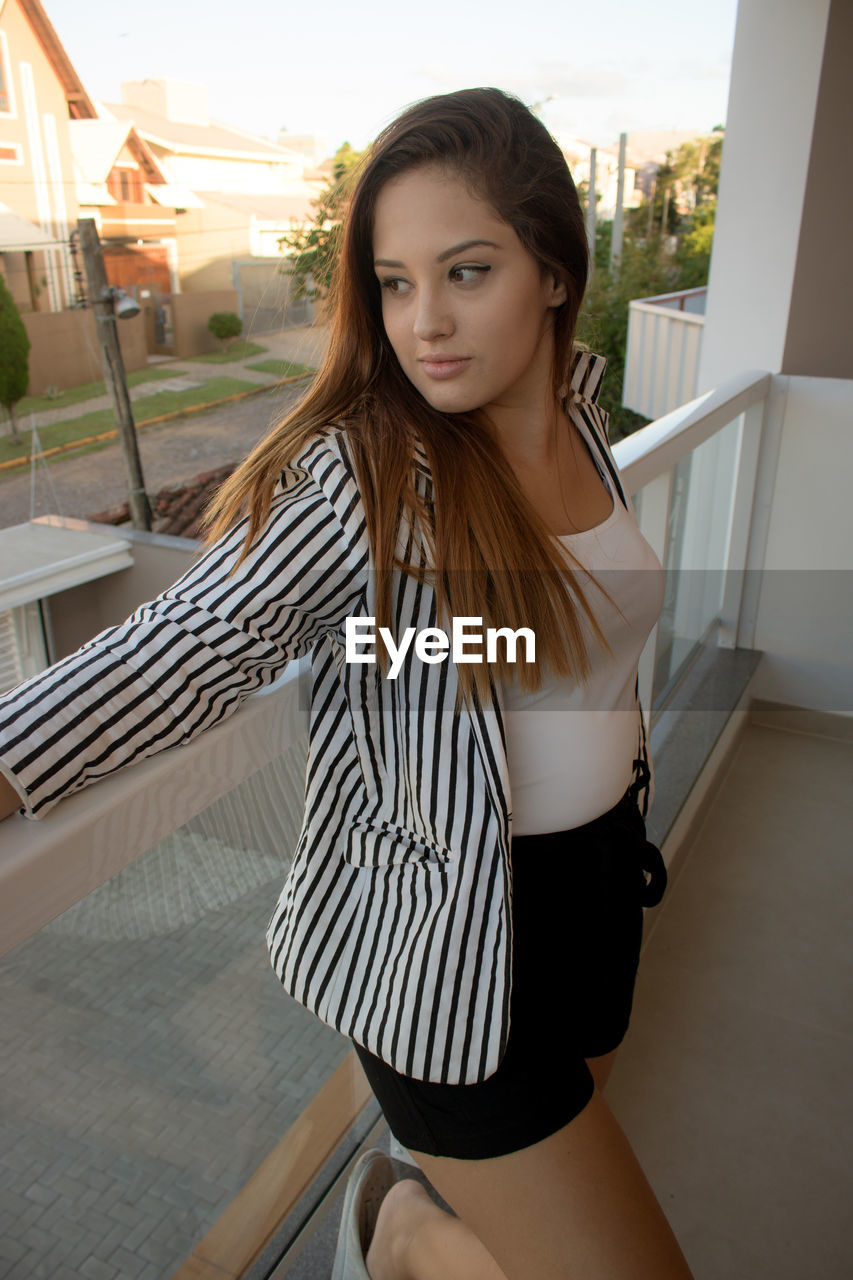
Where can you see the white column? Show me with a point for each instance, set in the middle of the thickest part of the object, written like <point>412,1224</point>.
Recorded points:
<point>40,180</point>
<point>618,215</point>
<point>776,76</point>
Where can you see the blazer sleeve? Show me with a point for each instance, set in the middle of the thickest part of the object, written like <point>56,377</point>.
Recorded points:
<point>187,659</point>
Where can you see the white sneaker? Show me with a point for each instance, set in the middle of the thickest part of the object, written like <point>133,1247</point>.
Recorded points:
<point>397,1151</point>
<point>368,1185</point>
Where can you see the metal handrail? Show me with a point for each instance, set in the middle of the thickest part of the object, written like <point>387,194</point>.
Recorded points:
<point>49,865</point>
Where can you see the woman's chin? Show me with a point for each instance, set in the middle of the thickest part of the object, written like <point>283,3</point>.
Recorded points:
<point>447,399</point>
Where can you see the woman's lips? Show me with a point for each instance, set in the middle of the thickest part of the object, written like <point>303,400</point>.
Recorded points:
<point>440,369</point>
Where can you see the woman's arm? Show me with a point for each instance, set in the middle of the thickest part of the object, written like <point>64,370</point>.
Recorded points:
<point>188,659</point>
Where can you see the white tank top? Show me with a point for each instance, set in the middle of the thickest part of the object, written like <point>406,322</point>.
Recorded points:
<point>571,746</point>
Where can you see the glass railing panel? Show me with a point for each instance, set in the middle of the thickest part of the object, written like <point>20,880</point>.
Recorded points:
<point>150,1059</point>
<point>695,553</point>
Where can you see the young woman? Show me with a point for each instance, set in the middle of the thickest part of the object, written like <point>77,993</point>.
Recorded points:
<point>446,479</point>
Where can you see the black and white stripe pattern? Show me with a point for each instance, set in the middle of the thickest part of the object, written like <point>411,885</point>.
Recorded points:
<point>393,925</point>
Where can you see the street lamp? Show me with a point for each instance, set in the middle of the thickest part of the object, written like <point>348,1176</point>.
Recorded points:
<point>124,306</point>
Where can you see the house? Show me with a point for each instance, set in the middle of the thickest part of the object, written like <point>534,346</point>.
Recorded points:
<point>120,183</point>
<point>249,191</point>
<point>40,94</point>
<point>577,152</point>
<point>313,146</point>
<point>646,152</point>
<point>190,212</point>
<point>651,147</point>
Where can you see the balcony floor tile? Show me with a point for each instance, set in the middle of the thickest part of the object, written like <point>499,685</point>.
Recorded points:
<point>733,1084</point>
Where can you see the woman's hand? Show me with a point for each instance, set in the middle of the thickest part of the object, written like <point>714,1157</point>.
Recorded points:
<point>10,801</point>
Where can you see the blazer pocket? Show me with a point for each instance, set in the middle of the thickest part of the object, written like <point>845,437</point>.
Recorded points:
<point>383,844</point>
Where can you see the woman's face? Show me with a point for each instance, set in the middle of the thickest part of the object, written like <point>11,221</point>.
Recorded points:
<point>465,306</point>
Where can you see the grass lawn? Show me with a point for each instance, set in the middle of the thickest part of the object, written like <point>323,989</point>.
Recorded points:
<point>92,424</point>
<point>74,395</point>
<point>239,351</point>
<point>281,368</point>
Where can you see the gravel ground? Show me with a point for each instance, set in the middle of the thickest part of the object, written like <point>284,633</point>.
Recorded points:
<point>171,454</point>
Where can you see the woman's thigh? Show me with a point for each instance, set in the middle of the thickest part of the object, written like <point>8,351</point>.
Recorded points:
<point>601,1067</point>
<point>576,1205</point>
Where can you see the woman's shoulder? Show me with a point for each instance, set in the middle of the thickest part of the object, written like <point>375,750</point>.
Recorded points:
<point>586,373</point>
<point>321,469</point>
<point>336,445</point>
<point>322,454</point>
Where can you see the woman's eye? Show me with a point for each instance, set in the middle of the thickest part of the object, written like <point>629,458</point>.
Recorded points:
<point>464,275</point>
<point>393,284</point>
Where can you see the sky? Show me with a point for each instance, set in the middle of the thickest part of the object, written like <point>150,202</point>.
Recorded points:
<point>345,69</point>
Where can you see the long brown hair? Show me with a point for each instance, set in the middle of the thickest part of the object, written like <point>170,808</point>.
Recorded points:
<point>490,553</point>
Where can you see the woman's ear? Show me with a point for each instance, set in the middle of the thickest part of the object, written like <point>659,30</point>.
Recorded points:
<point>557,292</point>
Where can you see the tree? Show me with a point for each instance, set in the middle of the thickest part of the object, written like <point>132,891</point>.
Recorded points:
<point>226,326</point>
<point>693,255</point>
<point>684,183</point>
<point>655,260</point>
<point>314,248</point>
<point>14,353</point>
<point>647,268</point>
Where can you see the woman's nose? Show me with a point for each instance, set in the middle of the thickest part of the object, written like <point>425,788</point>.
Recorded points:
<point>432,317</point>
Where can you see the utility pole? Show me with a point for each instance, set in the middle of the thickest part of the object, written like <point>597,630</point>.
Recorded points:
<point>618,217</point>
<point>652,195</point>
<point>102,299</point>
<point>591,209</point>
<point>664,221</point>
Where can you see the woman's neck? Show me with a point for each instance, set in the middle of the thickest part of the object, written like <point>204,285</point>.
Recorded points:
<point>528,435</point>
<point>527,425</point>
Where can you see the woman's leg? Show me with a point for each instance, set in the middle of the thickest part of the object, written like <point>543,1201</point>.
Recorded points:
<point>575,1206</point>
<point>414,1238</point>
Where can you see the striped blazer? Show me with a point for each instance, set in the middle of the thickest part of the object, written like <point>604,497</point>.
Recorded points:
<point>393,925</point>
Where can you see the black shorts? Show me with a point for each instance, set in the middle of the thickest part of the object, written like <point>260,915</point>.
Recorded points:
<point>577,914</point>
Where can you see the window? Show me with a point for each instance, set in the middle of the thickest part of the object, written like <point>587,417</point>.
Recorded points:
<point>7,101</point>
<point>22,646</point>
<point>126,185</point>
<point>10,153</point>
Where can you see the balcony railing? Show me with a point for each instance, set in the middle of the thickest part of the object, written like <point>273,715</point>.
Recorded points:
<point>152,1063</point>
<point>662,355</point>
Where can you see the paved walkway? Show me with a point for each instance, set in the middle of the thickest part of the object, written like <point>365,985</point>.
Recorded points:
<point>304,345</point>
<point>171,453</point>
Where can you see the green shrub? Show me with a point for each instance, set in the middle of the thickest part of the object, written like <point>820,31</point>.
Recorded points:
<point>14,353</point>
<point>226,326</point>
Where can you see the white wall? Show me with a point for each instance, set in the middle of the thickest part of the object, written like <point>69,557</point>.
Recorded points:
<point>805,614</point>
<point>776,71</point>
<point>776,290</point>
<point>81,612</point>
